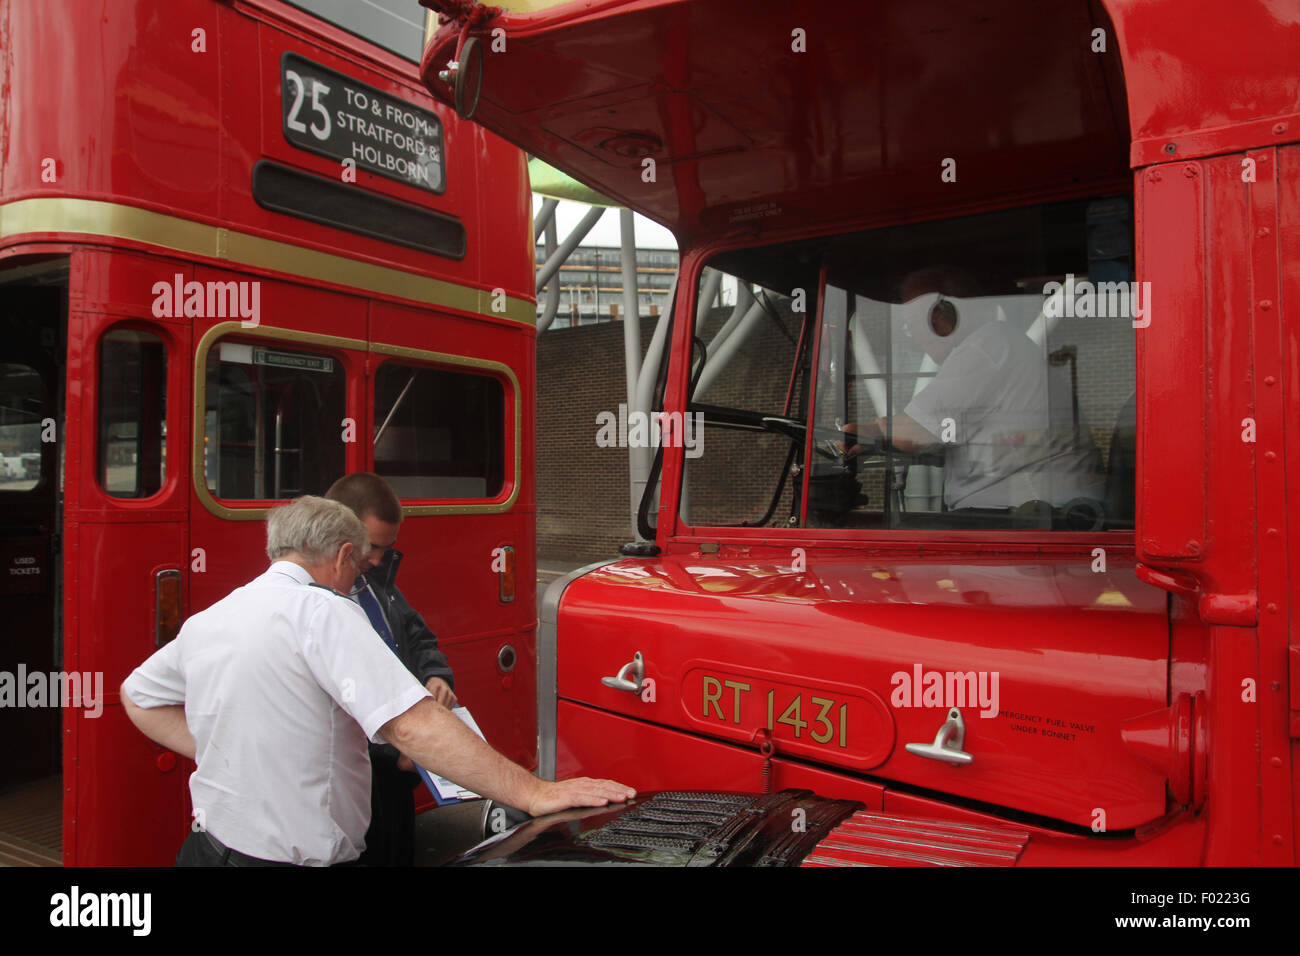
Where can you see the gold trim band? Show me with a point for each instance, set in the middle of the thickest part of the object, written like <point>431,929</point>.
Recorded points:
<point>117,221</point>
<point>210,337</point>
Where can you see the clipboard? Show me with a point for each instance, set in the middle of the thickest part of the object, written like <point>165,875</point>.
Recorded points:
<point>443,790</point>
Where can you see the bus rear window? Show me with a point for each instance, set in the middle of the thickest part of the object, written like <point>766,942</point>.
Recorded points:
<point>273,421</point>
<point>395,25</point>
<point>132,413</point>
<point>439,433</point>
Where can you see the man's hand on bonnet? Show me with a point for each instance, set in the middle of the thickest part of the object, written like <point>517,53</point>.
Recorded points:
<point>553,796</point>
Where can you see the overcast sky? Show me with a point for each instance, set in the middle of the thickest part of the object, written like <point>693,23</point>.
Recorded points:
<point>649,235</point>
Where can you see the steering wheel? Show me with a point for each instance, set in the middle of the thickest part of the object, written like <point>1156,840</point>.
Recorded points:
<point>796,431</point>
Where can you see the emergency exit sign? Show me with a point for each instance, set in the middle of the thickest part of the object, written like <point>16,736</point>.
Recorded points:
<point>307,363</point>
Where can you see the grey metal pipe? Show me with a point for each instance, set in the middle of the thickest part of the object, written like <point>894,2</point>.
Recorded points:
<point>744,299</point>
<point>644,396</point>
<point>632,314</point>
<point>711,282</point>
<point>654,354</point>
<point>559,255</point>
<point>708,292</point>
<point>545,217</point>
<point>552,288</point>
<point>718,360</point>
<point>638,458</point>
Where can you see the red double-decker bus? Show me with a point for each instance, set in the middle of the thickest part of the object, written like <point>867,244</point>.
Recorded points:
<point>242,252</point>
<point>987,313</point>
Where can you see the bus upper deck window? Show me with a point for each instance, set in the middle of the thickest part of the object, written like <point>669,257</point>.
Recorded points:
<point>439,433</point>
<point>395,25</point>
<point>132,458</point>
<point>272,421</point>
<point>22,412</point>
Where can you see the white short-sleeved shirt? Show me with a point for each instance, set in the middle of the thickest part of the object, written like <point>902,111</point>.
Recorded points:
<point>282,684</point>
<point>1005,451</point>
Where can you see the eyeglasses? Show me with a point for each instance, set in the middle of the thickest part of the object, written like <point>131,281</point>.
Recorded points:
<point>390,553</point>
<point>360,576</point>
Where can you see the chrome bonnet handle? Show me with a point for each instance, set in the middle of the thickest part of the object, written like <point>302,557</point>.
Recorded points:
<point>947,742</point>
<point>629,677</point>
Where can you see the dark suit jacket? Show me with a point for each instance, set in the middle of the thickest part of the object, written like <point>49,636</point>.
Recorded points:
<point>416,644</point>
<point>390,841</point>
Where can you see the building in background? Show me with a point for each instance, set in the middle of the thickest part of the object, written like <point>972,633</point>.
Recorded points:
<point>591,284</point>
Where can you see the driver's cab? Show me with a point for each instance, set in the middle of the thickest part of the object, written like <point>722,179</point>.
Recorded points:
<point>966,373</point>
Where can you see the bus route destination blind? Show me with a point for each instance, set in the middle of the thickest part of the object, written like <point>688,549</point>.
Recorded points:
<point>334,115</point>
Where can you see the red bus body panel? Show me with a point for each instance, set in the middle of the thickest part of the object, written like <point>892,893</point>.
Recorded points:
<point>1197,688</point>
<point>1079,656</point>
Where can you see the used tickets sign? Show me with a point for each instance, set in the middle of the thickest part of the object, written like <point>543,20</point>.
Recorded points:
<point>328,113</point>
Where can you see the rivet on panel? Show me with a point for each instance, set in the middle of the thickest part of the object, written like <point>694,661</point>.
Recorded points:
<point>1265,304</point>
<point>1270,455</point>
<point>1275,761</point>
<point>1279,128</point>
<point>1272,609</point>
<point>1191,172</point>
<point>1154,176</point>
<point>1262,232</point>
<point>1269,380</point>
<point>1273,532</point>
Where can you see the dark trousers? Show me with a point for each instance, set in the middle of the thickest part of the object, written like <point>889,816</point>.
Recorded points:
<point>390,841</point>
<point>203,849</point>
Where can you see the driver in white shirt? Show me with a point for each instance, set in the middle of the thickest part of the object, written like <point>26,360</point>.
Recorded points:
<point>988,406</point>
<point>275,689</point>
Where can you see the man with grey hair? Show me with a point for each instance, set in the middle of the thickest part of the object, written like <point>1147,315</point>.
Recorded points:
<point>274,690</point>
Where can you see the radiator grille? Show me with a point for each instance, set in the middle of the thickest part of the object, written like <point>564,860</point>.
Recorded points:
<point>877,839</point>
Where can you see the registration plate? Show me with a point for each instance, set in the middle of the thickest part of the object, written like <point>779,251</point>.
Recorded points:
<point>812,717</point>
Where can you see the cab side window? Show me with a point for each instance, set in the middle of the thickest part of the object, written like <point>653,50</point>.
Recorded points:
<point>746,380</point>
<point>132,446</point>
